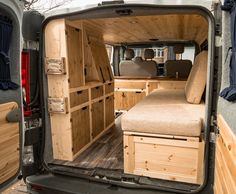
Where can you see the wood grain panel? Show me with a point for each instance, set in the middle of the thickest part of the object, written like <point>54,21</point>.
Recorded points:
<point>144,28</point>
<point>80,128</point>
<point>79,97</point>
<point>225,164</point>
<point>169,159</point>
<point>109,107</point>
<point>97,118</point>
<point>75,57</point>
<point>9,144</point>
<point>126,100</point>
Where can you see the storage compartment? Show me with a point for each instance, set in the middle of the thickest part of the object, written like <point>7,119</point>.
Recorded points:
<point>165,157</point>
<point>125,100</point>
<point>80,122</point>
<point>97,118</point>
<point>109,88</point>
<point>78,98</point>
<point>97,92</point>
<point>109,106</point>
<point>77,69</point>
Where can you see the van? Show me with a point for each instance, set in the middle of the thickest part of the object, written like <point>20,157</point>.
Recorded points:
<point>133,98</point>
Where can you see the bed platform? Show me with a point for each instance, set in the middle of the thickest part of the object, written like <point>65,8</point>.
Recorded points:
<point>162,133</point>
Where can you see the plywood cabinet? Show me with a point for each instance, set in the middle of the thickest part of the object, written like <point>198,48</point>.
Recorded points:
<point>164,157</point>
<point>79,79</point>
<point>128,92</point>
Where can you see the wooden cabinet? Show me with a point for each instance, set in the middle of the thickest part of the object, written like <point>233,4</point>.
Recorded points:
<point>128,92</point>
<point>80,80</point>
<point>164,157</point>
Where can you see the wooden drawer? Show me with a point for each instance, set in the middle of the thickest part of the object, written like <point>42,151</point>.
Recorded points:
<point>109,106</point>
<point>97,118</point>
<point>130,84</point>
<point>109,88</point>
<point>126,100</point>
<point>80,129</point>
<point>164,158</point>
<point>79,97</point>
<point>96,92</point>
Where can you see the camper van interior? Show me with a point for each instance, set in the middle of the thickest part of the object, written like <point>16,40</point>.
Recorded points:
<point>126,97</point>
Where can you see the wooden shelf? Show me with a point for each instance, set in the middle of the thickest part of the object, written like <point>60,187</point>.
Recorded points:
<point>83,86</point>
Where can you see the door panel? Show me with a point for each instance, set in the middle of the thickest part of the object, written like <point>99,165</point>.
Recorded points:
<point>9,143</point>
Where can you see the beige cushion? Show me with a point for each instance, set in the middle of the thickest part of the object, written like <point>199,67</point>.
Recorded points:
<point>196,82</point>
<point>165,112</point>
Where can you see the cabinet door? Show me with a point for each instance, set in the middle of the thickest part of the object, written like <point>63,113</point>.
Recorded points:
<point>126,100</point>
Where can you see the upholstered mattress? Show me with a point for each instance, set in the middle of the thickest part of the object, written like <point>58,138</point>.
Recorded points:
<point>165,112</point>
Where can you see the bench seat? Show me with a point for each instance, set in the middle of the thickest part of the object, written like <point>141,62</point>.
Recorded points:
<point>165,112</point>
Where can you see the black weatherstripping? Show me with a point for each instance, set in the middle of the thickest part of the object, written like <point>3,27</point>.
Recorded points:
<point>140,10</point>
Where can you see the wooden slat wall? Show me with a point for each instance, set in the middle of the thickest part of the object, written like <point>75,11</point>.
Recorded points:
<point>143,28</point>
<point>9,144</point>
<point>225,163</point>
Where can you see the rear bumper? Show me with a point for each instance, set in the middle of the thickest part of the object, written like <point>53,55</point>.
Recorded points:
<point>64,184</point>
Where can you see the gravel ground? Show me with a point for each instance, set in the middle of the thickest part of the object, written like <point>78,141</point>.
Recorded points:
<point>18,188</point>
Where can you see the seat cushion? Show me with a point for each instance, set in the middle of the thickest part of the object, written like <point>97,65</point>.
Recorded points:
<point>165,112</point>
<point>196,82</point>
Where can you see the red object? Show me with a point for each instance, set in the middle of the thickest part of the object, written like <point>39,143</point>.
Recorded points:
<point>25,76</point>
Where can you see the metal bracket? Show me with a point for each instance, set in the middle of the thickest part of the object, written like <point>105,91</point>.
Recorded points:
<point>55,66</point>
<point>58,105</point>
<point>213,137</point>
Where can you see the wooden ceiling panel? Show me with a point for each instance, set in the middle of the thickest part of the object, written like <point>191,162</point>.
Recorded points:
<point>143,28</point>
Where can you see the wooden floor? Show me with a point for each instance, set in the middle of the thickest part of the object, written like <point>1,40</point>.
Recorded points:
<point>105,153</point>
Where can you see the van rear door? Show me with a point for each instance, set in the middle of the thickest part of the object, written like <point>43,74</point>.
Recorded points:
<point>11,120</point>
<point>225,157</point>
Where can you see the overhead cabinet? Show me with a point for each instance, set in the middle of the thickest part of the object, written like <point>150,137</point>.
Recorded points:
<point>80,82</point>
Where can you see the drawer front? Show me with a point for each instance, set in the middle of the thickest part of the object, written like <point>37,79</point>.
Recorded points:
<point>97,92</point>
<point>126,100</point>
<point>78,98</point>
<point>109,88</point>
<point>130,85</point>
<point>169,159</point>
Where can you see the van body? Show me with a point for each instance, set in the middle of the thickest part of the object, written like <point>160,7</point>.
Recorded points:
<point>127,102</point>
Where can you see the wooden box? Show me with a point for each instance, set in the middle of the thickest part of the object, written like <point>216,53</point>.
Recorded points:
<point>164,157</point>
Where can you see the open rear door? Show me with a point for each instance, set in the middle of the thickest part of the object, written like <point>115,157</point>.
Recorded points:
<point>10,90</point>
<point>225,157</point>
